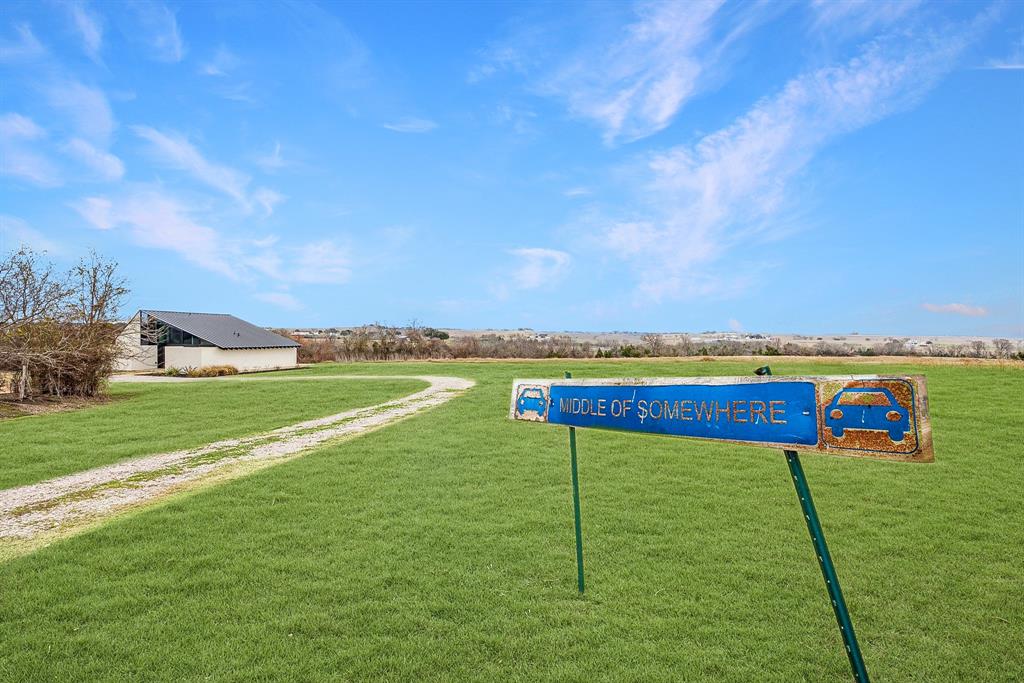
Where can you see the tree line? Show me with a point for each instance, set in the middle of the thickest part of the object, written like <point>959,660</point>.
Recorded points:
<point>58,330</point>
<point>384,342</point>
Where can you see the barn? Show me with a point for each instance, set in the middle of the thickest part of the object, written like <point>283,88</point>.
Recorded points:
<point>154,340</point>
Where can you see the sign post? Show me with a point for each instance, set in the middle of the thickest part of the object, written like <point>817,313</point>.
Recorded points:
<point>866,416</point>
<point>576,504</point>
<point>828,570</point>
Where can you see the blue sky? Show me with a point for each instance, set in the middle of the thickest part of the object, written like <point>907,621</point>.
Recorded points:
<point>766,166</point>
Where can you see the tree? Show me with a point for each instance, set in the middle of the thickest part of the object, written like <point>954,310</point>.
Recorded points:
<point>57,334</point>
<point>655,344</point>
<point>1004,347</point>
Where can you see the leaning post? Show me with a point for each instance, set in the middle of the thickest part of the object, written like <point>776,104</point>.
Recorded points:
<point>576,504</point>
<point>828,570</point>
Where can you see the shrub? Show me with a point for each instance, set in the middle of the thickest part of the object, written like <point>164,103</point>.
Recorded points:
<point>212,371</point>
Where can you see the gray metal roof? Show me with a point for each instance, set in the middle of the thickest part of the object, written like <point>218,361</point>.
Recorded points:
<point>223,330</point>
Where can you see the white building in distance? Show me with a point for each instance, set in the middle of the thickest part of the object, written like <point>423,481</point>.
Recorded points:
<point>154,340</point>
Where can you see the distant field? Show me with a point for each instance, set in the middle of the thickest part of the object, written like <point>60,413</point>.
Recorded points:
<point>441,548</point>
<point>155,418</point>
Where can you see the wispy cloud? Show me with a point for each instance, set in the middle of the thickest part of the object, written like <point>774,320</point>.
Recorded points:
<point>89,28</point>
<point>521,120</point>
<point>859,15</point>
<point>17,127</point>
<point>159,31</point>
<point>578,192</point>
<point>85,107</point>
<point>538,266</point>
<point>105,164</point>
<point>500,57</point>
<point>635,87</point>
<point>1013,62</point>
<point>152,218</point>
<point>274,161</point>
<point>267,199</point>
<point>223,62</point>
<point>15,233</point>
<point>175,151</point>
<point>957,309</point>
<point>411,125</point>
<point>323,262</point>
<point>281,299</point>
<point>728,187</point>
<point>23,47</point>
<point>158,221</point>
<point>19,158</point>
<point>735,325</point>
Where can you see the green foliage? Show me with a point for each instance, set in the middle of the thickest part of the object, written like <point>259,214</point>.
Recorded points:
<point>441,548</point>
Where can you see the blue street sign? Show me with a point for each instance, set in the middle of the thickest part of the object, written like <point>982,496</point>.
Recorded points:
<point>866,415</point>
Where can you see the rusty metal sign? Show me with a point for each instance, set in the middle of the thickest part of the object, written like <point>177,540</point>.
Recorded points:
<point>868,416</point>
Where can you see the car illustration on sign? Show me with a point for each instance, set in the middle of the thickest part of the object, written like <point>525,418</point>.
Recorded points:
<point>873,408</point>
<point>532,400</point>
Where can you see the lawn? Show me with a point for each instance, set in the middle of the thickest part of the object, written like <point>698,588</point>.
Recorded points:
<point>441,548</point>
<point>154,418</point>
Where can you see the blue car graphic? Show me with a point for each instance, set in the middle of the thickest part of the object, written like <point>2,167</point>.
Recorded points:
<point>887,416</point>
<point>532,400</point>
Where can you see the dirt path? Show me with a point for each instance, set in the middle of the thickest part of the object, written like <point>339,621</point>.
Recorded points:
<point>37,514</point>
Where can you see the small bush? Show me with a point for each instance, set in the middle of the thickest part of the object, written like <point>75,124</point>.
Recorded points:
<point>212,371</point>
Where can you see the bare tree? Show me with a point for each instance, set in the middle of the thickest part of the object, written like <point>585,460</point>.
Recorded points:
<point>57,333</point>
<point>655,343</point>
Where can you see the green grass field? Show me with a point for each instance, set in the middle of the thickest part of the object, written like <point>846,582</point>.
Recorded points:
<point>154,418</point>
<point>441,548</point>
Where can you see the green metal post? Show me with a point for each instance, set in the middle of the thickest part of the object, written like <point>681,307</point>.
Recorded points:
<point>576,504</point>
<point>828,570</point>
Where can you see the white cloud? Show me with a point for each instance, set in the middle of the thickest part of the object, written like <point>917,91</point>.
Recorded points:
<point>859,15</point>
<point>321,263</point>
<point>281,299</point>
<point>18,159</point>
<point>519,119</point>
<point>87,109</point>
<point>223,62</point>
<point>499,58</point>
<point>175,151</point>
<point>1013,62</point>
<point>15,233</point>
<point>273,161</point>
<point>957,309</point>
<point>267,199</point>
<point>538,266</point>
<point>105,164</point>
<point>578,192</point>
<point>89,29</point>
<point>16,126</point>
<point>97,211</point>
<point>151,218</point>
<point>634,87</point>
<point>155,220</point>
<point>159,30</point>
<point>411,125</point>
<point>730,186</point>
<point>735,325</point>
<point>24,48</point>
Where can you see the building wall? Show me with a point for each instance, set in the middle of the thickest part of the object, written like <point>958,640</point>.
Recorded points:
<point>243,359</point>
<point>131,354</point>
